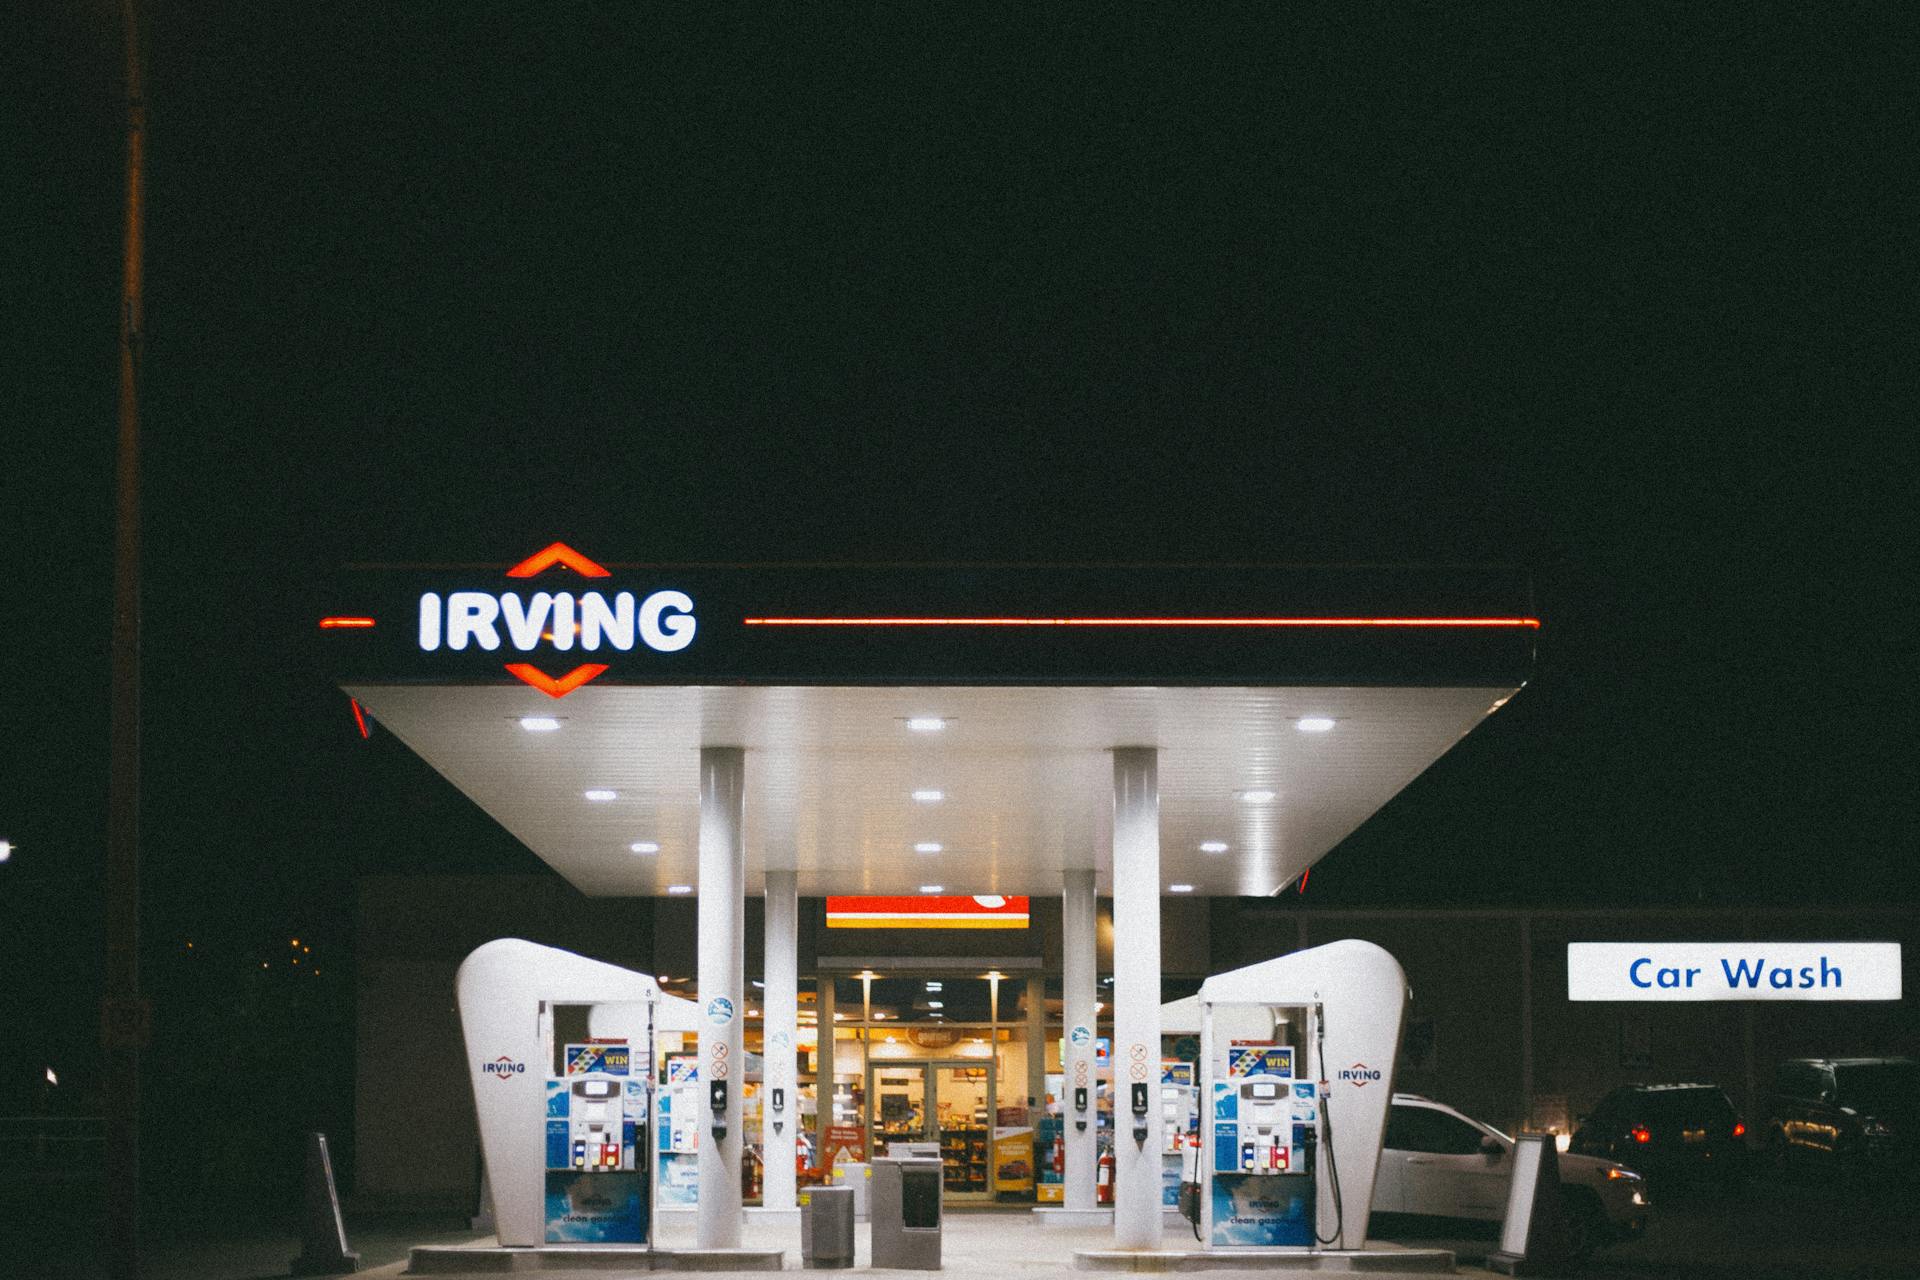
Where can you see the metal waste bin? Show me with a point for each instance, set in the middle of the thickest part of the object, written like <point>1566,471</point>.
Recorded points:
<point>857,1177</point>
<point>906,1214</point>
<point>913,1151</point>
<point>826,1227</point>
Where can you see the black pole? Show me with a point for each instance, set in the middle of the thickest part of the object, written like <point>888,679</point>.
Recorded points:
<point>124,1019</point>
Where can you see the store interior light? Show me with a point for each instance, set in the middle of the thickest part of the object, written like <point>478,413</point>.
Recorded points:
<point>1213,846</point>
<point>644,846</point>
<point>927,795</point>
<point>1257,796</point>
<point>1179,888</point>
<point>936,1004</point>
<point>928,846</point>
<point>936,986</point>
<point>679,888</point>
<point>599,794</point>
<point>1313,724</point>
<point>926,724</point>
<point>539,724</point>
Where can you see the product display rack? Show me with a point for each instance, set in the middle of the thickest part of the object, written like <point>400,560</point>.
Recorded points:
<point>964,1152</point>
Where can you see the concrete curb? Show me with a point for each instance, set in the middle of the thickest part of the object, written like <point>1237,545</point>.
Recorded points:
<point>1351,1260</point>
<point>466,1260</point>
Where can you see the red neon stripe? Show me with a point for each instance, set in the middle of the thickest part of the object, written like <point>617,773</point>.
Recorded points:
<point>329,624</point>
<point>359,718</point>
<point>1302,888</point>
<point>551,686</point>
<point>1142,622</point>
<point>561,554</point>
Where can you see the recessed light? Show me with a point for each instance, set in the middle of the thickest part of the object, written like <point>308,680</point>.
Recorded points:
<point>1213,846</point>
<point>926,724</point>
<point>661,977</point>
<point>1257,797</point>
<point>936,1004</point>
<point>1313,724</point>
<point>600,793</point>
<point>936,986</point>
<point>932,888</point>
<point>1179,888</point>
<point>679,888</point>
<point>644,846</point>
<point>929,796</point>
<point>539,724</point>
<point>760,984</point>
<point>927,846</point>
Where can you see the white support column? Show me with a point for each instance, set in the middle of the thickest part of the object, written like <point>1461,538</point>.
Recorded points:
<point>722,939</point>
<point>781,1009</point>
<point>1137,1211</point>
<point>1078,939</point>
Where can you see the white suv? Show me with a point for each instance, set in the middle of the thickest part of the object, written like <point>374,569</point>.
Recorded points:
<point>1437,1163</point>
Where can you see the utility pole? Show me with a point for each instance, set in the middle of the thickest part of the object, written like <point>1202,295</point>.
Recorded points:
<point>125,1021</point>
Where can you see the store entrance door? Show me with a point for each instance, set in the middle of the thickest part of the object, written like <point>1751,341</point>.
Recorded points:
<point>948,1103</point>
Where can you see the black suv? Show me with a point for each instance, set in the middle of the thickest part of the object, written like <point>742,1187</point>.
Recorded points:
<point>1667,1129</point>
<point>1861,1114</point>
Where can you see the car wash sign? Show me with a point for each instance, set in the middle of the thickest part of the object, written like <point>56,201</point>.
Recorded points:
<point>1733,971</point>
<point>551,631</point>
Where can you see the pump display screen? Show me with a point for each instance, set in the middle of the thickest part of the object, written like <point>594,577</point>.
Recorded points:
<point>1265,1091</point>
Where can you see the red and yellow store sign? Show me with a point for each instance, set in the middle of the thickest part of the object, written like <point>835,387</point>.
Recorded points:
<point>927,912</point>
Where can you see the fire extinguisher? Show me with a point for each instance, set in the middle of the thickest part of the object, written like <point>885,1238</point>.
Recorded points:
<point>1103,1180</point>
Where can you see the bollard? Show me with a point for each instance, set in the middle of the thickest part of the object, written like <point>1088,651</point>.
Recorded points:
<point>323,1235</point>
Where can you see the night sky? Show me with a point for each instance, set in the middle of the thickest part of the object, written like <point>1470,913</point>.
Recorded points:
<point>1623,298</point>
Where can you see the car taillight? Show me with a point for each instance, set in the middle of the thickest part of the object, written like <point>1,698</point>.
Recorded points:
<point>1739,1128</point>
<point>1642,1134</point>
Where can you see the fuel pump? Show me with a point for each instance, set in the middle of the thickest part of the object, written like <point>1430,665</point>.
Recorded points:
<point>597,1180</point>
<point>595,1122</point>
<point>1179,1122</point>
<point>1264,1125</point>
<point>1285,1044</point>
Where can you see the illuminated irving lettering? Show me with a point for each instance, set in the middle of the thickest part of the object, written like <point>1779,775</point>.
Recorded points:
<point>471,613</point>
<point>667,632</point>
<point>664,621</point>
<point>598,621</point>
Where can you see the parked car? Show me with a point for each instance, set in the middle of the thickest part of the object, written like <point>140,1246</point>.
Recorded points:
<point>1668,1130</point>
<point>1861,1114</point>
<point>1440,1169</point>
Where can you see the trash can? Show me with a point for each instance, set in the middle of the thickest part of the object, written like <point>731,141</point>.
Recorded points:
<point>856,1176</point>
<point>913,1151</point>
<point>906,1214</point>
<point>826,1228</point>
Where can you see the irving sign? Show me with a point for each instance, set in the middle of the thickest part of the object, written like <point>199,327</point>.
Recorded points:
<point>555,622</point>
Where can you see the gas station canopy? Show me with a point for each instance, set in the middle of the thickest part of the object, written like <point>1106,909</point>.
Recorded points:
<point>908,727</point>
